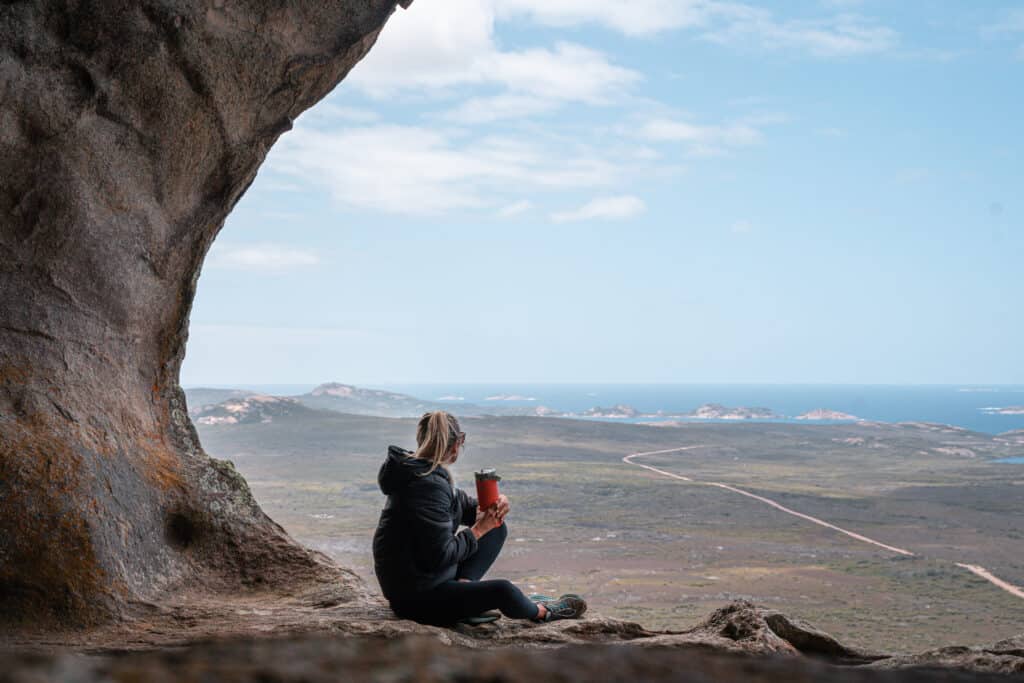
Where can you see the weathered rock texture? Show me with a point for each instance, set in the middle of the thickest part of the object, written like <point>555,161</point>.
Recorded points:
<point>423,660</point>
<point>378,647</point>
<point>128,131</point>
<point>323,620</point>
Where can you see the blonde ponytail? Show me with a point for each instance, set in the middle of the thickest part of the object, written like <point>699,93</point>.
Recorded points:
<point>436,433</point>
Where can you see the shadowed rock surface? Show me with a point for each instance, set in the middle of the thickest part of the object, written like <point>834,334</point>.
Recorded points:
<point>128,131</point>
<point>270,635</point>
<point>424,660</point>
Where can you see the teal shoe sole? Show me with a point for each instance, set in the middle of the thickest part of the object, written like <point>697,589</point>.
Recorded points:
<point>485,618</point>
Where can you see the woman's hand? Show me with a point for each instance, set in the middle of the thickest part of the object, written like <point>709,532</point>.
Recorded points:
<point>502,506</point>
<point>486,520</point>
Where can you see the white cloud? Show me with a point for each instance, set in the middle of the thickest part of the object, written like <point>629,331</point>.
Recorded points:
<point>1011,22</point>
<point>845,35</point>
<point>700,140</point>
<point>637,17</point>
<point>434,47</point>
<point>429,45</point>
<point>842,4</point>
<point>260,257</point>
<point>1009,26</point>
<point>667,130</point>
<point>515,208</point>
<point>722,21</point>
<point>332,112</point>
<point>603,208</point>
<point>489,109</point>
<point>421,170</point>
<point>569,72</point>
<point>741,227</point>
<point>447,53</point>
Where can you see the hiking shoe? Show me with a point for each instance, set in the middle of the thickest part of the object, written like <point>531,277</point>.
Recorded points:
<point>540,597</point>
<point>566,607</point>
<point>482,618</point>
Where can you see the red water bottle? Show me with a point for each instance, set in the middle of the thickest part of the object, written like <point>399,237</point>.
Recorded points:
<point>487,488</point>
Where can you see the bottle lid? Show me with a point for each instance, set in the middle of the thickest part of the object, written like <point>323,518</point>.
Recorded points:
<point>487,474</point>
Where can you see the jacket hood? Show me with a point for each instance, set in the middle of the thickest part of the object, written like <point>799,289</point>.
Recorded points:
<point>400,467</point>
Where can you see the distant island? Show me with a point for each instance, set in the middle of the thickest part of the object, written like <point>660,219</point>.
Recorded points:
<point>823,414</point>
<point>616,411</point>
<point>212,406</point>
<point>1009,410</point>
<point>716,411</point>
<point>708,411</point>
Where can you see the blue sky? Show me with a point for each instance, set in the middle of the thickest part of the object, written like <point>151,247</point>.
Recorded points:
<point>652,191</point>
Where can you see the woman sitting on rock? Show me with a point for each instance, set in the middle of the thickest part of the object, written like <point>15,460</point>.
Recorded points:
<point>427,571</point>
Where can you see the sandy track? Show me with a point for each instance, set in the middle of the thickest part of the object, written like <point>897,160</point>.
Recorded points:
<point>975,569</point>
<point>988,576</point>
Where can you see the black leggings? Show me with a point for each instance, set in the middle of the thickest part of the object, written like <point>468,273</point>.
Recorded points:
<point>453,600</point>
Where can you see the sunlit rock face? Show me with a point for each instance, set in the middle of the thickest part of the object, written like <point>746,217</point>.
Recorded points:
<point>128,131</point>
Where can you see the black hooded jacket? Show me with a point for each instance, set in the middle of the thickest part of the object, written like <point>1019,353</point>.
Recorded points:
<point>415,546</point>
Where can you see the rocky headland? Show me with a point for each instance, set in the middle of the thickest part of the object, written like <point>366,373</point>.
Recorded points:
<point>1016,435</point>
<point>716,411</point>
<point>617,411</point>
<point>1007,410</point>
<point>253,408</point>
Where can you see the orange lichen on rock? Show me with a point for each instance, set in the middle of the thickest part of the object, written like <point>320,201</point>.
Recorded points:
<point>45,536</point>
<point>162,463</point>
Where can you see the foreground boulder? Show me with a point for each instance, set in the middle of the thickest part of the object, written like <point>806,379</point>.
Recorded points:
<point>270,630</point>
<point>316,659</point>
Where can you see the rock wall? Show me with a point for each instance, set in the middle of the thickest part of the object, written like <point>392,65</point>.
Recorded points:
<point>128,131</point>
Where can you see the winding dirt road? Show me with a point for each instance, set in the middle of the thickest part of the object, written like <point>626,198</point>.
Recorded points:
<point>975,569</point>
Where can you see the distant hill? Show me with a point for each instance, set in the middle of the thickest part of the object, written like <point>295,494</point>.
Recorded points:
<point>204,397</point>
<point>348,398</point>
<point>253,408</point>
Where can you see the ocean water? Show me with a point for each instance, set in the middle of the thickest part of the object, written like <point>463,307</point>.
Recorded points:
<point>959,405</point>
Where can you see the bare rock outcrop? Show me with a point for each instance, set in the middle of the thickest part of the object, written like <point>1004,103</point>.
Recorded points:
<point>423,659</point>
<point>128,131</point>
<point>322,619</point>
